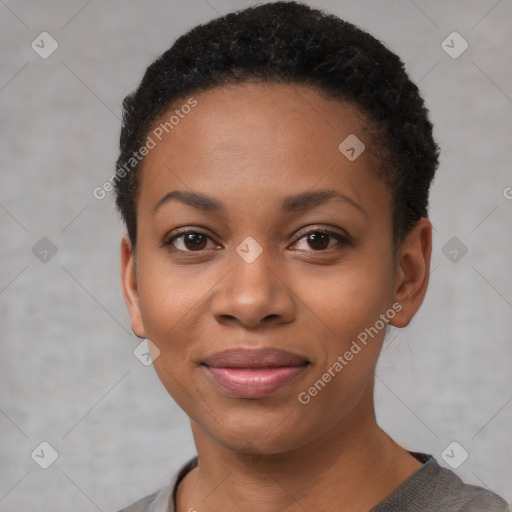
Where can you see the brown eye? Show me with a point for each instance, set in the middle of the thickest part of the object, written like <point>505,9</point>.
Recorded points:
<point>321,240</point>
<point>318,240</point>
<point>188,241</point>
<point>194,241</point>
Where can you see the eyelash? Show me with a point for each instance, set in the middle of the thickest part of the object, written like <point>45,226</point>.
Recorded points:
<point>342,239</point>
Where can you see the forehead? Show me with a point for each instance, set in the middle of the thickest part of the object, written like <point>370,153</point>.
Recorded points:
<point>261,140</point>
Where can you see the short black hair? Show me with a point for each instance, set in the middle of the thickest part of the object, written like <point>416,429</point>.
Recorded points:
<point>290,42</point>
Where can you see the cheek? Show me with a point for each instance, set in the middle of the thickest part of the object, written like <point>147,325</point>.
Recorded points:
<point>350,299</point>
<point>170,319</point>
<point>345,310</point>
<point>169,296</point>
<point>173,303</point>
<point>348,350</point>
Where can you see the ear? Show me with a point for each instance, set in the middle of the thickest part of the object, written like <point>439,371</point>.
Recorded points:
<point>129,284</point>
<point>413,271</point>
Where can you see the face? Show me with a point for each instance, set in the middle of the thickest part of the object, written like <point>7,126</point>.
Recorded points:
<point>264,255</point>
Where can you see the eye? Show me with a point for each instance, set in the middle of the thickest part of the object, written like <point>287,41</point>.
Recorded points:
<point>317,240</point>
<point>321,240</point>
<point>189,241</point>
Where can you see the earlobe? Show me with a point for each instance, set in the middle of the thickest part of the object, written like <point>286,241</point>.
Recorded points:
<point>129,285</point>
<point>413,271</point>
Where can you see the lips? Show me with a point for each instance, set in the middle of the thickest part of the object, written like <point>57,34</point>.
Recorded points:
<point>253,373</point>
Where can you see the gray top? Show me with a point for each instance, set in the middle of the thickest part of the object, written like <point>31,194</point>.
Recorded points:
<point>431,488</point>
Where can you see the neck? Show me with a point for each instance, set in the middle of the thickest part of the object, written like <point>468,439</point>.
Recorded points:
<point>356,466</point>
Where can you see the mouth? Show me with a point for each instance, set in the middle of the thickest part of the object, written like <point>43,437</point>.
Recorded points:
<point>253,373</point>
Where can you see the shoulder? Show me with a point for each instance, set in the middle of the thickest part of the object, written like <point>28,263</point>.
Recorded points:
<point>162,500</point>
<point>157,502</point>
<point>454,494</point>
<point>433,488</point>
<point>143,505</point>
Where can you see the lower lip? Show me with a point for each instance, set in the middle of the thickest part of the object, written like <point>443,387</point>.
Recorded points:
<point>253,382</point>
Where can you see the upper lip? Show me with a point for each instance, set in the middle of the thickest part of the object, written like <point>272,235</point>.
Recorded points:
<point>254,358</point>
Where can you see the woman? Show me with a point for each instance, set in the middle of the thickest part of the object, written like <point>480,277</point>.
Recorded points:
<point>274,175</point>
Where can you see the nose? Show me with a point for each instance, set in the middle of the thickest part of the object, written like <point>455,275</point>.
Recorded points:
<point>254,295</point>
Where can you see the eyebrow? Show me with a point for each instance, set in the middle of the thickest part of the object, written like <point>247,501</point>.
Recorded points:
<point>291,204</point>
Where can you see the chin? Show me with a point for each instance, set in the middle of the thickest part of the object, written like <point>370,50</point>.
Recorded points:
<point>268,434</point>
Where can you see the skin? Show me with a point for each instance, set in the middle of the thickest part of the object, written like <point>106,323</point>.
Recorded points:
<point>248,146</point>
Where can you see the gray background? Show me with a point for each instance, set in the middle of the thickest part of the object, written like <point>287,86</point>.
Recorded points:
<point>67,368</point>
